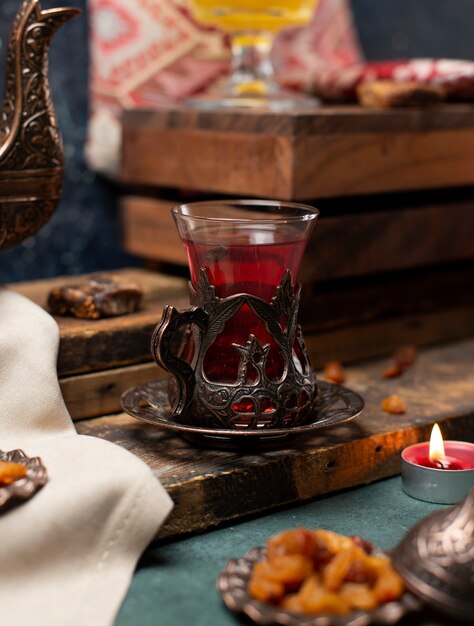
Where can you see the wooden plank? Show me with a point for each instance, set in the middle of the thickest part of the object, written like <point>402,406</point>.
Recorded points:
<point>334,304</point>
<point>355,342</point>
<point>328,166</point>
<point>148,230</point>
<point>210,487</point>
<point>372,242</point>
<point>325,152</point>
<point>92,395</point>
<point>102,344</point>
<point>98,393</point>
<point>347,119</point>
<point>348,320</point>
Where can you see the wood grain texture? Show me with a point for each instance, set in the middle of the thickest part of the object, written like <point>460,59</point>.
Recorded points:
<point>210,487</point>
<point>341,246</point>
<point>98,393</point>
<point>107,343</point>
<point>324,152</point>
<point>351,320</point>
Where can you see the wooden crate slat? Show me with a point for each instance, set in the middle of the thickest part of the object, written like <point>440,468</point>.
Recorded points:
<point>210,487</point>
<point>341,246</point>
<point>349,321</point>
<point>98,393</point>
<point>325,152</point>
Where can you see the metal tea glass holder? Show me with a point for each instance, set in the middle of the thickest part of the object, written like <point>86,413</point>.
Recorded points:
<point>241,374</point>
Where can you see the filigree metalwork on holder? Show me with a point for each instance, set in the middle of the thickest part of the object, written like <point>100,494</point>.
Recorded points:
<point>31,155</point>
<point>436,559</point>
<point>334,406</point>
<point>289,399</point>
<point>24,488</point>
<point>233,586</point>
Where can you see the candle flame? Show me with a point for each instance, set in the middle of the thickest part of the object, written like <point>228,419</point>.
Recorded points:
<point>436,445</point>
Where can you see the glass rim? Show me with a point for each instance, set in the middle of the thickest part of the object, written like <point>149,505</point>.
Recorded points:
<point>309,213</point>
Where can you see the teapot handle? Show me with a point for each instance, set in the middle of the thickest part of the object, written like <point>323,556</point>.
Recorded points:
<point>161,349</point>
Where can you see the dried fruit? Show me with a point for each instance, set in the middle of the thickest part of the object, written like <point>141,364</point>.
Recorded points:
<point>334,372</point>
<point>294,541</point>
<point>359,596</point>
<point>337,569</point>
<point>266,590</point>
<point>9,472</point>
<point>402,359</point>
<point>405,356</point>
<point>393,371</point>
<point>394,404</point>
<point>311,572</point>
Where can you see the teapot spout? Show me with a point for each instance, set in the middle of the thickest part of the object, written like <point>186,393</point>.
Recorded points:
<point>58,16</point>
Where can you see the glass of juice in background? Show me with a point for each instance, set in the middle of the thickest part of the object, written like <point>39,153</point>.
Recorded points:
<point>251,26</point>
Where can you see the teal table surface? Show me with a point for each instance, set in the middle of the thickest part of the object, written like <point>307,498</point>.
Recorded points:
<point>174,584</point>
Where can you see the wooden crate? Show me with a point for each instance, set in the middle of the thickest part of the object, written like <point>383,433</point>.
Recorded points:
<point>319,153</point>
<point>392,255</point>
<point>98,360</point>
<point>343,245</point>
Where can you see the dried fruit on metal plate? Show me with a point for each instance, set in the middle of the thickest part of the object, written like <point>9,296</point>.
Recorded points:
<point>312,572</point>
<point>394,404</point>
<point>334,372</point>
<point>9,472</point>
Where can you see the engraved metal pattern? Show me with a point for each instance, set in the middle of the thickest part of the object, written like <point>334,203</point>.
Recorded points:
<point>436,559</point>
<point>204,402</point>
<point>334,406</point>
<point>24,488</point>
<point>233,583</point>
<point>31,155</point>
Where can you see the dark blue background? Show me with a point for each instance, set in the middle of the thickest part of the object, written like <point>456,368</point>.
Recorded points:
<point>83,235</point>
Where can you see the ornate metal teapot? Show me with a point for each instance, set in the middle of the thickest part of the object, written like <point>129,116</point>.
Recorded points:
<point>31,156</point>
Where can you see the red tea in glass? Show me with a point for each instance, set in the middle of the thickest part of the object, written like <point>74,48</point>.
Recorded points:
<point>242,267</point>
<point>247,251</point>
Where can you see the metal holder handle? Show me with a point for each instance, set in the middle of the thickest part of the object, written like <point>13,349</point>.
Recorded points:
<point>173,320</point>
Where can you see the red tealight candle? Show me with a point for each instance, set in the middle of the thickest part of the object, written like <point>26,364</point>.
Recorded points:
<point>438,471</point>
<point>437,458</point>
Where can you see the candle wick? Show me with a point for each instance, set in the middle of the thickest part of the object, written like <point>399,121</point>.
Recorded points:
<point>442,463</point>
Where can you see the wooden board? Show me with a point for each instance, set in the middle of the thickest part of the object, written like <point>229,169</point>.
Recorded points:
<point>318,153</point>
<point>92,395</point>
<point>341,246</point>
<point>103,344</point>
<point>348,320</point>
<point>98,393</point>
<point>210,487</point>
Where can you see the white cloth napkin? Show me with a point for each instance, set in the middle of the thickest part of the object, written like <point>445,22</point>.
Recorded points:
<point>67,555</point>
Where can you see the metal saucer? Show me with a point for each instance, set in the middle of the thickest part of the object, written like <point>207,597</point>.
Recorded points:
<point>24,488</point>
<point>335,405</point>
<point>435,560</point>
<point>232,583</point>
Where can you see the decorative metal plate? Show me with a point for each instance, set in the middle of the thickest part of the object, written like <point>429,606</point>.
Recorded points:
<point>233,582</point>
<point>436,559</point>
<point>24,488</point>
<point>335,405</point>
